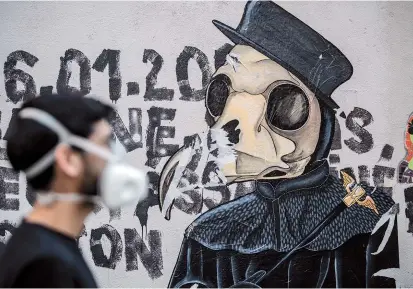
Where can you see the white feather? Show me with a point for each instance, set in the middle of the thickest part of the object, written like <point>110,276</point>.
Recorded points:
<point>390,218</point>
<point>225,154</point>
<point>383,220</point>
<point>226,151</point>
<point>386,236</point>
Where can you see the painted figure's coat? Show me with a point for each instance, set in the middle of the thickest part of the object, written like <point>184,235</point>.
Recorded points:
<point>230,243</point>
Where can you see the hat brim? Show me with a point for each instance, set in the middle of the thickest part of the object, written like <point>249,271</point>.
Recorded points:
<point>238,38</point>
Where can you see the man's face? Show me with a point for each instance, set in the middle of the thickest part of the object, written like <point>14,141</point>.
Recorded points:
<point>273,117</point>
<point>93,164</point>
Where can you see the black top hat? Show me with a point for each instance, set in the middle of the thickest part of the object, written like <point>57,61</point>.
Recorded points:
<point>282,37</point>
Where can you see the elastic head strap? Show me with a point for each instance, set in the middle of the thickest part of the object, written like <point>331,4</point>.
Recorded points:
<point>64,136</point>
<point>47,198</point>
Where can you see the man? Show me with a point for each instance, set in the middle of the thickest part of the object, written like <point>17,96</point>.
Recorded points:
<point>63,144</point>
<point>273,98</point>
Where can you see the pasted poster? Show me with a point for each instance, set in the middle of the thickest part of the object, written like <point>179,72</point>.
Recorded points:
<point>272,135</point>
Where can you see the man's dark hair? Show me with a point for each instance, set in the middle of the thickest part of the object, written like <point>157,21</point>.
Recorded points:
<point>28,140</point>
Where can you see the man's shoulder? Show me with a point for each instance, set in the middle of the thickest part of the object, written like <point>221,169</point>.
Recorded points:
<point>25,260</point>
<point>33,253</point>
<point>43,271</point>
<point>29,243</point>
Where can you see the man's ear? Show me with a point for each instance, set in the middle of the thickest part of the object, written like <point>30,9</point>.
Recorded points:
<point>68,161</point>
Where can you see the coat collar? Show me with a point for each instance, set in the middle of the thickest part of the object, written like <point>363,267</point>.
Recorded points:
<point>313,178</point>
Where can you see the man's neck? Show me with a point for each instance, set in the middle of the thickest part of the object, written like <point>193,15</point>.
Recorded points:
<point>64,217</point>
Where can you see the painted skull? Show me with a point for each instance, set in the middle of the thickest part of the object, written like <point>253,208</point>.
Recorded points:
<point>272,118</point>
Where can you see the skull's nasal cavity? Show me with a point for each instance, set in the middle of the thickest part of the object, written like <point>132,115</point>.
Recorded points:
<point>232,131</point>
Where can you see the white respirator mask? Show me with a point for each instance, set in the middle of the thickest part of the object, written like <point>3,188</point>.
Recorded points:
<point>118,185</point>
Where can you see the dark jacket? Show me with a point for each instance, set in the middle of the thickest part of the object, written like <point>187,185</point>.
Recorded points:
<point>231,242</point>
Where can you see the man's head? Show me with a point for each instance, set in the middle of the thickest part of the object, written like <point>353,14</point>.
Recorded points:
<point>73,169</point>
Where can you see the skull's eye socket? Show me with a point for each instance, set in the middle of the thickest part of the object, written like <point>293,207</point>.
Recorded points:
<point>217,94</point>
<point>288,107</point>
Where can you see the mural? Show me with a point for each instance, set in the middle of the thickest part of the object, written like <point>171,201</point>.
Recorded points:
<point>273,149</point>
<point>273,124</point>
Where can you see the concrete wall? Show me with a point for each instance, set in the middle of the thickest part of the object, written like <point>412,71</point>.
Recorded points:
<point>141,248</point>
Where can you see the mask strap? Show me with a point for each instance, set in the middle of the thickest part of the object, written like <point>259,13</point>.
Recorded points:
<point>47,198</point>
<point>91,147</point>
<point>40,165</point>
<point>64,136</point>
